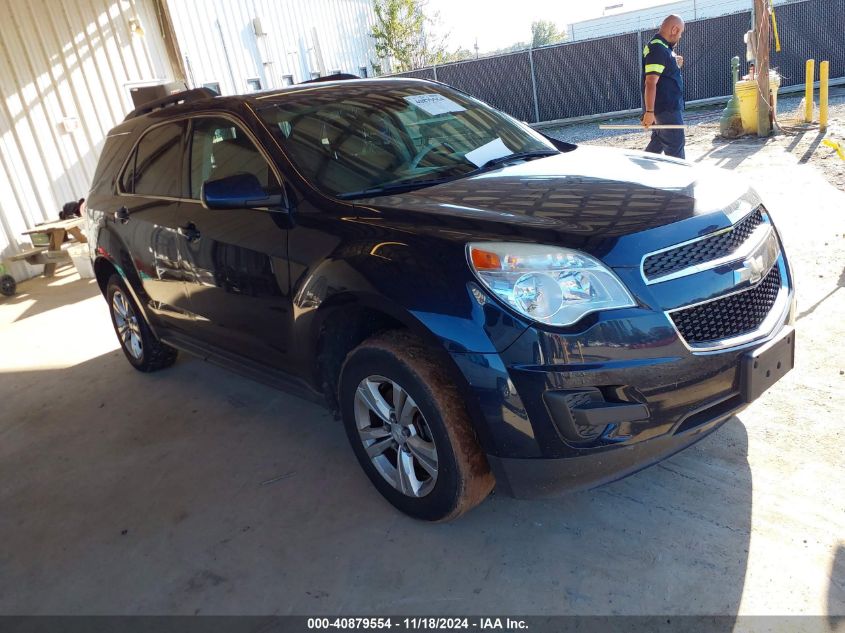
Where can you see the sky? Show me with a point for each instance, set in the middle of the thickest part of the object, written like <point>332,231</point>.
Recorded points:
<point>500,23</point>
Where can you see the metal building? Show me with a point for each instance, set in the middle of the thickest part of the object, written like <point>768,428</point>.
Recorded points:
<point>67,68</point>
<point>236,46</point>
<point>65,73</point>
<point>650,17</point>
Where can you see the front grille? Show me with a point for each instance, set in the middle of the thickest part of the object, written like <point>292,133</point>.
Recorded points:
<point>731,316</point>
<point>704,250</point>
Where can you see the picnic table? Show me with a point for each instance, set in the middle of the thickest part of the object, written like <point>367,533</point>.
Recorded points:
<point>52,254</point>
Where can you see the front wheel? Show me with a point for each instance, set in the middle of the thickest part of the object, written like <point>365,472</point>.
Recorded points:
<point>410,430</point>
<point>140,346</point>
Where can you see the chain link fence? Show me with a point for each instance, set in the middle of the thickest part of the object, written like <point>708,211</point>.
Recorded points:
<point>603,75</point>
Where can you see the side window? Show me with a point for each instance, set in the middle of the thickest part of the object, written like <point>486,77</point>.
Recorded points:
<point>127,180</point>
<point>157,169</point>
<point>219,148</point>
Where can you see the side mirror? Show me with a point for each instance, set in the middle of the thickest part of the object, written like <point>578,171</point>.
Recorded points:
<point>239,191</point>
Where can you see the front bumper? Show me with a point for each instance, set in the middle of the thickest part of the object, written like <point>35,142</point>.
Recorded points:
<point>538,478</point>
<point>645,401</point>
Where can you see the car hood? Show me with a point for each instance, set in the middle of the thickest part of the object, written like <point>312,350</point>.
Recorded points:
<point>591,198</point>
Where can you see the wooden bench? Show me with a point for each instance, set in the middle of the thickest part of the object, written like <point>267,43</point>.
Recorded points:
<point>41,255</point>
<point>30,253</point>
<point>56,231</point>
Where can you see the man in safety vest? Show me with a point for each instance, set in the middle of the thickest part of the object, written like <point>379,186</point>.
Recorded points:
<point>663,88</point>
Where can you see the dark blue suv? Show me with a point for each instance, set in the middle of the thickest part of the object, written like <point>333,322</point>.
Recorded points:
<point>482,305</point>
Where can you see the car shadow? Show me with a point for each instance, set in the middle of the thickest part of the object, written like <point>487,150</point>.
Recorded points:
<point>193,490</point>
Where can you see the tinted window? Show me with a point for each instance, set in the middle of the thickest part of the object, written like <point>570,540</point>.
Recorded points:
<point>128,179</point>
<point>158,163</point>
<point>219,148</point>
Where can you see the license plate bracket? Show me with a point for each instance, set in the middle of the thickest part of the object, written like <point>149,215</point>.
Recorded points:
<point>764,366</point>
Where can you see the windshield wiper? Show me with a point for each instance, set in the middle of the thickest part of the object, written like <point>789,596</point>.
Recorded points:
<point>541,153</point>
<point>409,185</point>
<point>394,188</point>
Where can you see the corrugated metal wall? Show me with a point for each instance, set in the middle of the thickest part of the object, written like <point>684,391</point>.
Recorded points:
<point>219,43</point>
<point>65,72</point>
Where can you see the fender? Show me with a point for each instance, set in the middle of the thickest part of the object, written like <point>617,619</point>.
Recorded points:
<point>458,317</point>
<point>111,248</point>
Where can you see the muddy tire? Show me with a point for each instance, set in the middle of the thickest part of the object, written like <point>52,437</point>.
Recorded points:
<point>410,430</point>
<point>140,346</point>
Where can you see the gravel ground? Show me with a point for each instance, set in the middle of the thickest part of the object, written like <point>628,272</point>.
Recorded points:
<point>802,141</point>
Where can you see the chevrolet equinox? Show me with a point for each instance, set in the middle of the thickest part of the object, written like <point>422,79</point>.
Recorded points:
<point>480,304</point>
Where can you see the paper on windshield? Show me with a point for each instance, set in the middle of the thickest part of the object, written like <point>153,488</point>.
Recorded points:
<point>494,149</point>
<point>434,104</point>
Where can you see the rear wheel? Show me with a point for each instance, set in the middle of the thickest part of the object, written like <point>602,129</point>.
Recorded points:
<point>410,430</point>
<point>140,346</point>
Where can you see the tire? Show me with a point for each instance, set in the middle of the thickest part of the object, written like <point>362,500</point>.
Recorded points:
<point>8,286</point>
<point>140,346</point>
<point>397,402</point>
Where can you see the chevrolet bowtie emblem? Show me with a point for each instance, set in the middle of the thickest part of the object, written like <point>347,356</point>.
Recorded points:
<point>752,270</point>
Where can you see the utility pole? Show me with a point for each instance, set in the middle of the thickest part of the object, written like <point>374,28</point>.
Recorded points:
<point>761,35</point>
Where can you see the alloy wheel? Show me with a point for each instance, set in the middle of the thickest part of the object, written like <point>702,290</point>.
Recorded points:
<point>396,436</point>
<point>126,322</point>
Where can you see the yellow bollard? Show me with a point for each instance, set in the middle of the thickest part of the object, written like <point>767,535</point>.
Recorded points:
<point>824,69</point>
<point>808,90</point>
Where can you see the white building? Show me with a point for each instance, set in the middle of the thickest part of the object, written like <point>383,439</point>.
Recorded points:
<point>618,19</point>
<point>237,46</point>
<point>67,67</point>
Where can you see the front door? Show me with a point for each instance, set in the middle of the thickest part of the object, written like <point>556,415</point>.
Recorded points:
<point>239,292</point>
<point>151,185</point>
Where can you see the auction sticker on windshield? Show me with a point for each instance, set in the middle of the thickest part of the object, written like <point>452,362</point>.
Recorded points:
<point>434,104</point>
<point>494,149</point>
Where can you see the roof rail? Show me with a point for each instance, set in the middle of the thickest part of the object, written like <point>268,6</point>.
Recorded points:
<point>335,77</point>
<point>186,96</point>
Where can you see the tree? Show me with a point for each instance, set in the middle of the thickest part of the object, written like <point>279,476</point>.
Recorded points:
<point>458,55</point>
<point>513,48</point>
<point>403,33</point>
<point>544,32</point>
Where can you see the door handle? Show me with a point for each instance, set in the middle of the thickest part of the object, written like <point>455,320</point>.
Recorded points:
<point>189,232</point>
<point>122,215</point>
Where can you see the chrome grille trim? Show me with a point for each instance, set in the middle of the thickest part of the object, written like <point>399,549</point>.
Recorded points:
<point>758,236</point>
<point>777,315</point>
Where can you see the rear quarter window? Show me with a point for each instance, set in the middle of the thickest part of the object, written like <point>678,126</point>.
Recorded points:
<point>155,167</point>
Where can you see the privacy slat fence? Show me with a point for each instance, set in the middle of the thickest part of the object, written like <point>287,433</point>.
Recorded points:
<point>603,75</point>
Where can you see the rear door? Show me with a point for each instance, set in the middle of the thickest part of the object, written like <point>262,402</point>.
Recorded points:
<point>150,188</point>
<point>239,291</point>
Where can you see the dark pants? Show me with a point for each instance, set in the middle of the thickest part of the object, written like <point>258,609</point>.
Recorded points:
<point>669,142</point>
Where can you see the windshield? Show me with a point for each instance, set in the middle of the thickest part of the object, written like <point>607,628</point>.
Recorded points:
<point>367,138</point>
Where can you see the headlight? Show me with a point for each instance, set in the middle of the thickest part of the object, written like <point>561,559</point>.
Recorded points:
<point>549,284</point>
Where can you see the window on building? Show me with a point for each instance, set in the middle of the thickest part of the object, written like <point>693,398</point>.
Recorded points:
<point>254,84</point>
<point>213,85</point>
<point>287,80</point>
<point>157,167</point>
<point>219,148</point>
<point>362,71</point>
<point>315,75</point>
